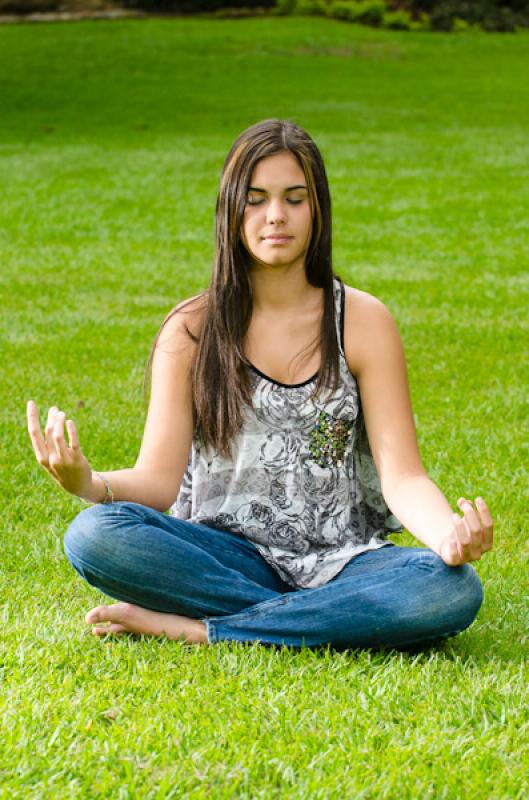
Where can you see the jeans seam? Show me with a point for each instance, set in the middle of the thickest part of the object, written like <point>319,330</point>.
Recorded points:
<point>255,609</point>
<point>136,508</point>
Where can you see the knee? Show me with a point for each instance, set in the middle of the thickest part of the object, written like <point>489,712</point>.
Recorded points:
<point>447,598</point>
<point>463,594</point>
<point>90,535</point>
<point>470,593</point>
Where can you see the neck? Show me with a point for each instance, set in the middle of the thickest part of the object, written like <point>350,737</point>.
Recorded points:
<point>278,289</point>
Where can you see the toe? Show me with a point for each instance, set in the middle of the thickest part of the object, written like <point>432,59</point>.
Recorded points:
<point>98,614</point>
<point>117,612</point>
<point>113,629</point>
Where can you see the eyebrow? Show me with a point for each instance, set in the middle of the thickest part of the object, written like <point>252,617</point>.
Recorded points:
<point>288,189</point>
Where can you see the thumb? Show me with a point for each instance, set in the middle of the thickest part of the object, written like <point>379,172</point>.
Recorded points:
<point>449,551</point>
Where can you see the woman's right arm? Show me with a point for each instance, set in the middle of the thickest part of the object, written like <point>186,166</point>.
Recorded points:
<point>157,474</point>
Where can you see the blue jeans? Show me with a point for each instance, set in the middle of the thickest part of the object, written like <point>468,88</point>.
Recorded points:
<point>394,596</point>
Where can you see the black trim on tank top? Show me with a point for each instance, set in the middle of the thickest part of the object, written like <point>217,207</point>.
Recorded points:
<point>309,380</point>
<point>284,385</point>
<point>342,314</point>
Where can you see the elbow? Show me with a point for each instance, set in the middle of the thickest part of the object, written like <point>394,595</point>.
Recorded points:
<point>163,507</point>
<point>165,502</point>
<point>160,490</point>
<point>396,483</point>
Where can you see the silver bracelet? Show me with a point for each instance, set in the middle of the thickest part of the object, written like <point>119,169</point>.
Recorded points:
<point>109,494</point>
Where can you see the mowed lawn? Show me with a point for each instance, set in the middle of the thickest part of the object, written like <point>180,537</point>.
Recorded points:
<point>112,140</point>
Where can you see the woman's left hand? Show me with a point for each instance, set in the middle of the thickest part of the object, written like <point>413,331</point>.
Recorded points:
<point>471,535</point>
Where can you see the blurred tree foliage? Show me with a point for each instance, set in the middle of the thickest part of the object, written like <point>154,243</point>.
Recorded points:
<point>499,15</point>
<point>173,6</point>
<point>442,15</point>
<point>197,6</point>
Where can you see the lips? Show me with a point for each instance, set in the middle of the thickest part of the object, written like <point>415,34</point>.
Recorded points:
<point>277,238</point>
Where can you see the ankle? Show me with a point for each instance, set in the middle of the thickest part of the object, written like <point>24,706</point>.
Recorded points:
<point>200,635</point>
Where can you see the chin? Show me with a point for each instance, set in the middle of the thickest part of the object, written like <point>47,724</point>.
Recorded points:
<point>277,257</point>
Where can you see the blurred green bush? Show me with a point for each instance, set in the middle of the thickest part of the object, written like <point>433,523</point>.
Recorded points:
<point>437,15</point>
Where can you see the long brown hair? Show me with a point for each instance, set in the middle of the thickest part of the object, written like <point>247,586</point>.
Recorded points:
<point>220,377</point>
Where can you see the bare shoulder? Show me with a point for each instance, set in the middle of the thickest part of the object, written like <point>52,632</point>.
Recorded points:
<point>186,314</point>
<point>359,304</point>
<point>370,330</point>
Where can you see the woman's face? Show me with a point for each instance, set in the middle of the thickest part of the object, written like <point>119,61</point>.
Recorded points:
<point>277,204</point>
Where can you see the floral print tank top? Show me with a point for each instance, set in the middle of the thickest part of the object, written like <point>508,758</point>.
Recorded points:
<point>302,485</point>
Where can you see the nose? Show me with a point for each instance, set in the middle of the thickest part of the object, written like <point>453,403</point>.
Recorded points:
<point>276,212</point>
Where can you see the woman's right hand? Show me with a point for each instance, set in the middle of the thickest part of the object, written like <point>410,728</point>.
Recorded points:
<point>66,464</point>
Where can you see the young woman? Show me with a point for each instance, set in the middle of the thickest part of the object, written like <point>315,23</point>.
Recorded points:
<point>280,436</point>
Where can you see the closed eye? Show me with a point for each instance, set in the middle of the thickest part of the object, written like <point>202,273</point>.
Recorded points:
<point>258,202</point>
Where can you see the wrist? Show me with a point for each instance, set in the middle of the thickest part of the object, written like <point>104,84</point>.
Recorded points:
<point>96,491</point>
<point>108,496</point>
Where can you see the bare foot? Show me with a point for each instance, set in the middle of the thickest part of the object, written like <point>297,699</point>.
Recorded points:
<point>128,618</point>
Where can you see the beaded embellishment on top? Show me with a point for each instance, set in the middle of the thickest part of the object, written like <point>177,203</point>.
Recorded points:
<point>328,440</point>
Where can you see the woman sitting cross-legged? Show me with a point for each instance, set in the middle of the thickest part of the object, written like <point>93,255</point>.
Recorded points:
<point>280,437</point>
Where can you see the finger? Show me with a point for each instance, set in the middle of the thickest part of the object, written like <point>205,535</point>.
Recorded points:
<point>462,533</point>
<point>456,554</point>
<point>50,421</point>
<point>462,538</point>
<point>73,438</point>
<point>35,434</point>
<point>473,523</point>
<point>58,436</point>
<point>487,524</point>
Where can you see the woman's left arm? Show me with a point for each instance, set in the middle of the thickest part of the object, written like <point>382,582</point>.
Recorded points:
<point>375,355</point>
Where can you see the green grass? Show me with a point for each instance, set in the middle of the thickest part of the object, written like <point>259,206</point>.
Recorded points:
<point>112,139</point>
